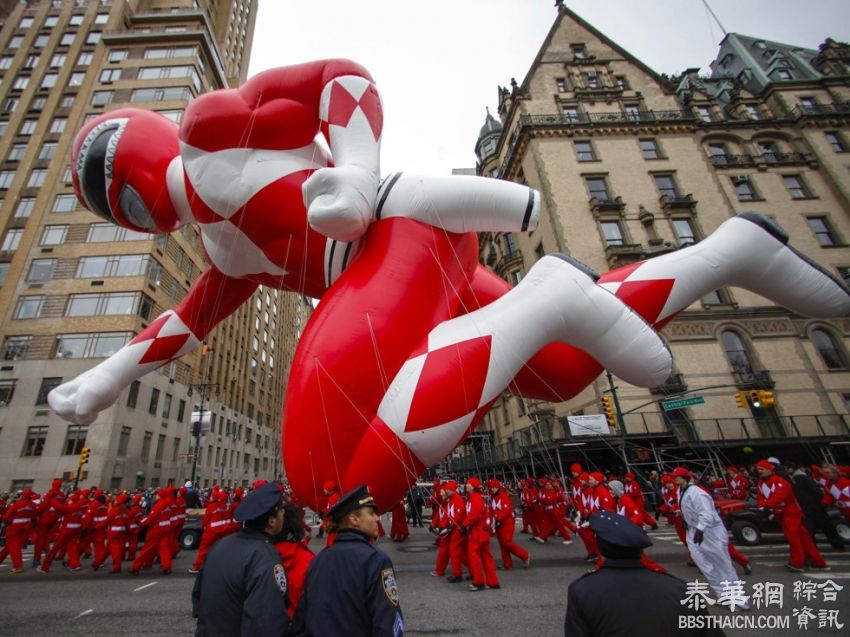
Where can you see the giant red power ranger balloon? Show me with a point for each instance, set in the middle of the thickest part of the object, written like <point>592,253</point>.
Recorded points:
<point>413,340</point>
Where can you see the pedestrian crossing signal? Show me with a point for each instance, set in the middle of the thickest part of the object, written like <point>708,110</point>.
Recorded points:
<point>766,398</point>
<point>84,455</point>
<point>741,400</point>
<point>755,398</point>
<point>609,411</point>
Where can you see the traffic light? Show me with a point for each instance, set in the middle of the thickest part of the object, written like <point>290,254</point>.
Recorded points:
<point>755,398</point>
<point>609,411</point>
<point>766,398</point>
<point>741,400</point>
<point>84,455</point>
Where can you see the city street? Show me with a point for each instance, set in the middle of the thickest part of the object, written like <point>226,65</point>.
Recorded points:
<point>530,602</point>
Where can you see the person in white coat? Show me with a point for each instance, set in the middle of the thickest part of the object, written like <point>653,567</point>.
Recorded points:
<point>708,540</point>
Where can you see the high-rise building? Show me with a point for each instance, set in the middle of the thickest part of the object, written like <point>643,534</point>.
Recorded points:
<point>74,289</point>
<point>633,164</point>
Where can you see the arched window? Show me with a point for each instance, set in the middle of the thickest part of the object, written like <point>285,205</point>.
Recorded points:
<point>736,352</point>
<point>832,355</point>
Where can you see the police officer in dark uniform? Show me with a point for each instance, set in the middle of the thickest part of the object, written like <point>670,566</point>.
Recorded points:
<point>647,603</point>
<point>351,587</point>
<point>241,589</point>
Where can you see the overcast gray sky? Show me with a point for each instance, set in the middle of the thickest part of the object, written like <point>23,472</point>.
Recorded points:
<point>438,63</point>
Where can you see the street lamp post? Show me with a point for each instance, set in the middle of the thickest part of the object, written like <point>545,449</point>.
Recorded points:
<point>197,425</point>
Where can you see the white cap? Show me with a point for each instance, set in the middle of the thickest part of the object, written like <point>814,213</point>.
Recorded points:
<point>774,460</point>
<point>188,484</point>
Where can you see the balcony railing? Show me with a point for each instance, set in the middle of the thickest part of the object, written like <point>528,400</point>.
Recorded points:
<point>732,161</point>
<point>674,384</point>
<point>785,158</point>
<point>814,110</point>
<point>677,202</point>
<point>751,379</point>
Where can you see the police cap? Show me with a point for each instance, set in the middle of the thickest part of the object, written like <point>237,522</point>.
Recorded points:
<point>257,503</point>
<point>355,499</point>
<point>619,531</point>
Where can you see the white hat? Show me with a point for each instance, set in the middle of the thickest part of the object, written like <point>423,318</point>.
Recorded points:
<point>188,484</point>
<point>774,460</point>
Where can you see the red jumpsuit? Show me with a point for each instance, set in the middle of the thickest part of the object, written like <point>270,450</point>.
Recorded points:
<point>627,507</point>
<point>69,535</point>
<point>478,521</point>
<point>49,518</point>
<point>117,528</point>
<point>456,511</point>
<point>399,530</point>
<point>135,515</point>
<point>551,504</point>
<point>631,488</point>
<point>178,519</point>
<point>296,560</point>
<point>216,524</point>
<point>775,492</point>
<point>442,527</point>
<point>738,487</point>
<point>503,514</point>
<point>95,520</point>
<point>19,519</point>
<point>158,538</point>
<point>838,494</point>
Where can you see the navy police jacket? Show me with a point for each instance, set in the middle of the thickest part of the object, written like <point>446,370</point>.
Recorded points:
<point>350,591</point>
<point>241,590</point>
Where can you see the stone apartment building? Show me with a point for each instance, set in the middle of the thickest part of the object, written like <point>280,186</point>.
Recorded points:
<point>74,289</point>
<point>633,164</point>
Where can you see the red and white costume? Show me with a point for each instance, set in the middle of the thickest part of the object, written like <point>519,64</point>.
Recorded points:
<point>414,339</point>
<point>479,521</point>
<point>738,485</point>
<point>505,522</point>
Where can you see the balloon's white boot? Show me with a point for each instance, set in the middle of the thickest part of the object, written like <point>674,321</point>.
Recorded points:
<point>748,251</point>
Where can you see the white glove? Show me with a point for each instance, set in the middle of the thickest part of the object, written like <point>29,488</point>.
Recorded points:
<point>340,201</point>
<point>81,400</point>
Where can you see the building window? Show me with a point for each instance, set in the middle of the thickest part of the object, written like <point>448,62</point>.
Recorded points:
<point>167,94</point>
<point>58,124</point>
<point>101,232</point>
<point>67,39</point>
<point>92,345</point>
<point>181,410</point>
<point>16,153</point>
<point>584,151</point>
<point>796,187</point>
<point>666,186</point>
<point>102,98</point>
<point>598,188</point>
<point>591,79</point>
<point>154,402</point>
<point>49,80</point>
<point>15,347</point>
<point>123,442</point>
<point>37,178</point>
<point>64,203</point>
<point>28,127</point>
<point>705,113</point>
<point>25,207</point>
<point>117,55</point>
<point>83,59</point>
<point>632,112</point>
<point>47,151</point>
<point>561,84</point>
<point>75,439</point>
<point>769,151</point>
<point>7,390</point>
<point>47,386</point>
<point>93,37</point>
<point>146,445</point>
<point>832,355</point>
<point>714,298</point>
<point>752,112</point>
<point>133,394</point>
<point>823,231</point>
<point>784,74</point>
<point>166,406</point>
<point>571,113</point>
<point>4,271</point>
<point>105,304</point>
<point>29,307</point>
<point>685,234</point>
<point>35,440</point>
<point>41,269</point>
<point>835,141</point>
<point>53,235</point>
<point>579,51</point>
<point>6,178</point>
<point>844,273</point>
<point>160,446</point>
<point>77,78</point>
<point>621,82</point>
<point>744,188</point>
<point>612,233</point>
<point>649,148</point>
<point>12,239</point>
<point>737,353</point>
<point>110,75</point>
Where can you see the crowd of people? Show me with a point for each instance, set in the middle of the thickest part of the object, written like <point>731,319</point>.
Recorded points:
<point>465,515</point>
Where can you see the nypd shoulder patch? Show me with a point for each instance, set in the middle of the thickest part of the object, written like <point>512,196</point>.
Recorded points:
<point>390,586</point>
<point>280,578</point>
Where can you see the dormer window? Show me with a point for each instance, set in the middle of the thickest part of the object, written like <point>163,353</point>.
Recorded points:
<point>592,80</point>
<point>579,51</point>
